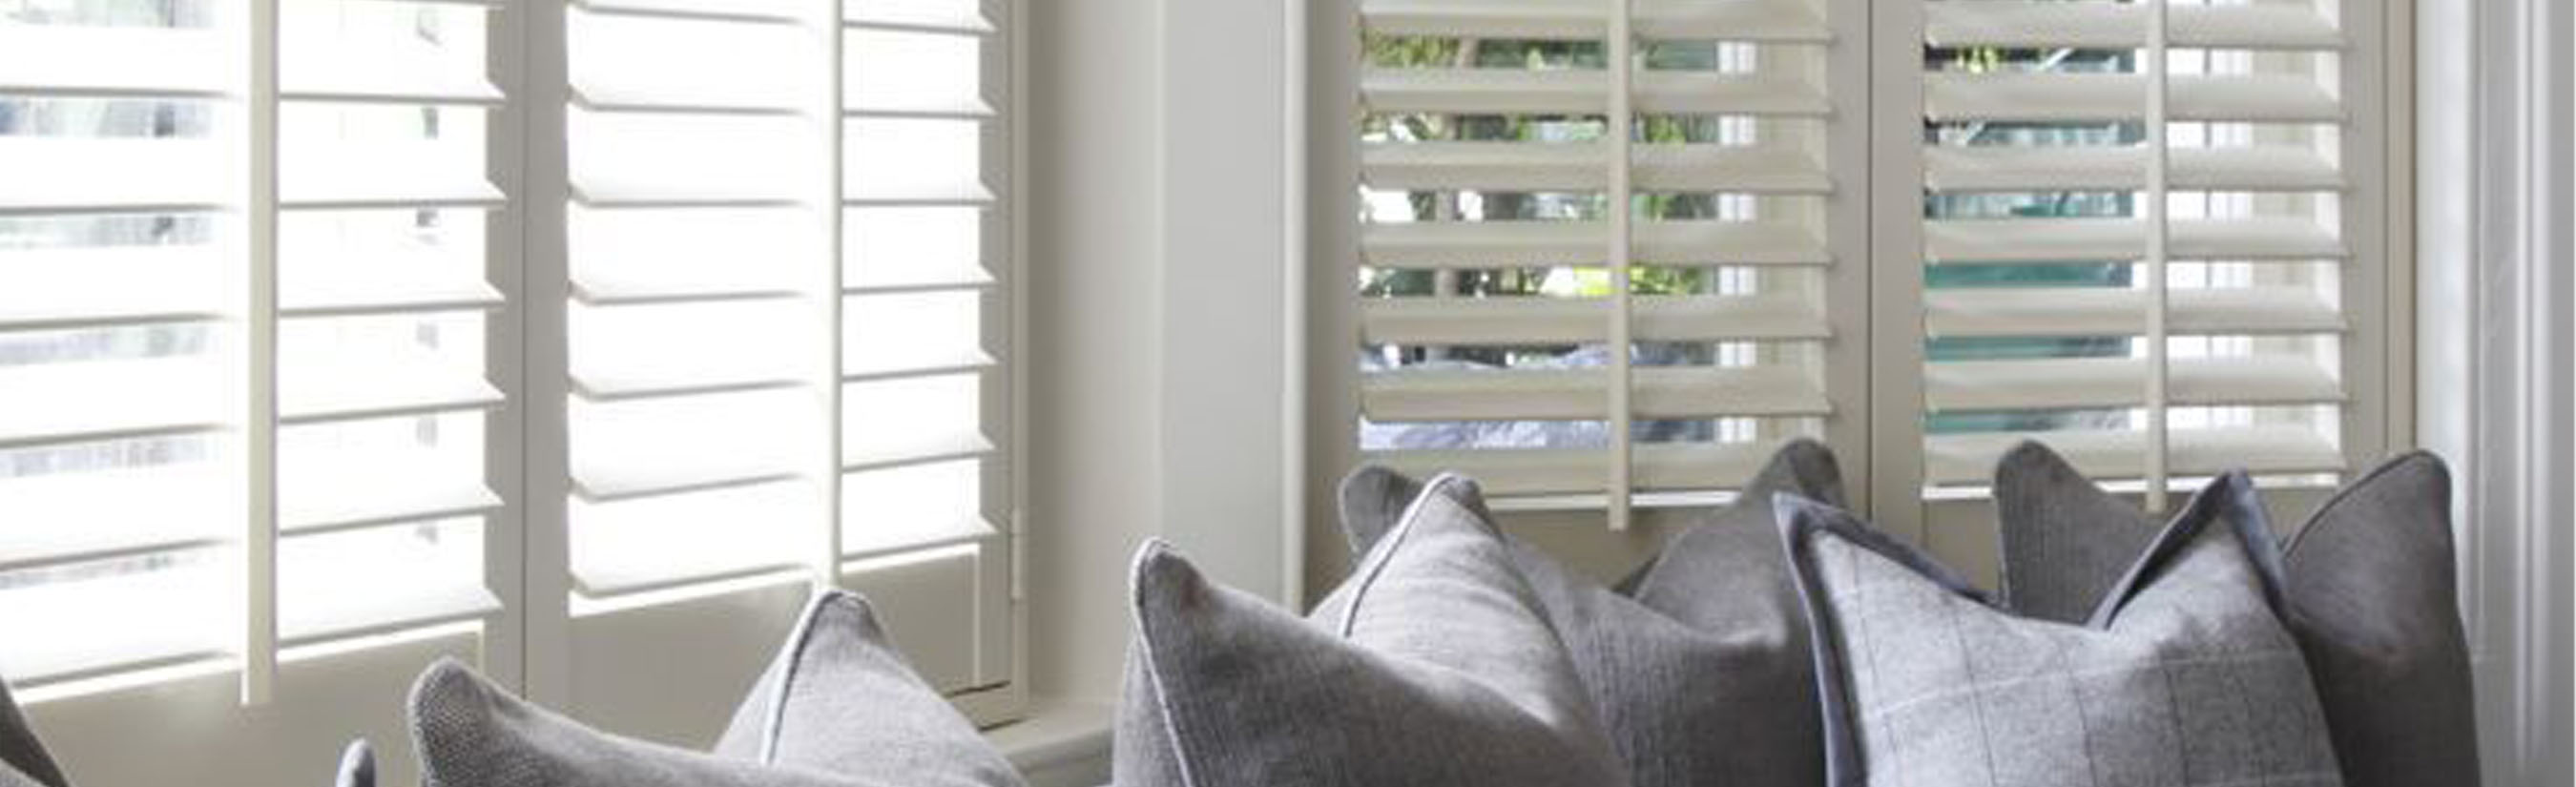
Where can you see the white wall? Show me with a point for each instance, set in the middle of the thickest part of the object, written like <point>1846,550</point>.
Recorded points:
<point>1157,326</point>
<point>2494,334</point>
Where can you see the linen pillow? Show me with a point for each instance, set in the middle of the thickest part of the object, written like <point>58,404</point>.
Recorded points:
<point>839,698</point>
<point>2185,676</point>
<point>23,761</point>
<point>2370,593</point>
<point>1698,665</point>
<point>1431,667</point>
<point>471,733</point>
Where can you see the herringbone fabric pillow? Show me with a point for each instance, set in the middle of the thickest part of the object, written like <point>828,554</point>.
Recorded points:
<point>2189,678</point>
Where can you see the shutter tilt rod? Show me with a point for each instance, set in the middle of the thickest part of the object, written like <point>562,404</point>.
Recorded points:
<point>828,192</point>
<point>1620,118</point>
<point>2158,231</point>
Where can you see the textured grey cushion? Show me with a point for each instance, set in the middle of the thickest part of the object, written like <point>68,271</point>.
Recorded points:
<point>1431,667</point>
<point>2374,601</point>
<point>839,709</point>
<point>2369,586</point>
<point>840,699</point>
<point>2186,677</point>
<point>23,761</point>
<point>1704,677</point>
<point>2064,540</point>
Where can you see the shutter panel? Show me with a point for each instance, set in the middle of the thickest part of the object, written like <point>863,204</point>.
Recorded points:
<point>1545,180</point>
<point>694,384</point>
<point>2044,150</point>
<point>789,309</point>
<point>111,286</point>
<point>924,266</point>
<point>188,341</point>
<point>382,303</point>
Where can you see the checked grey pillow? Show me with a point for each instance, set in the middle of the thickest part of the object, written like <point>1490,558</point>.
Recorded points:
<point>839,708</point>
<point>2186,676</point>
<point>1431,667</point>
<point>2368,583</point>
<point>1698,664</point>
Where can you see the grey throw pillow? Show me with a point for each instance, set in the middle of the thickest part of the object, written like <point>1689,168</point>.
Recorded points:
<point>1698,664</point>
<point>839,709</point>
<point>2187,676</point>
<point>840,699</point>
<point>2369,586</point>
<point>1432,667</point>
<point>2064,540</point>
<point>23,760</point>
<point>2374,601</point>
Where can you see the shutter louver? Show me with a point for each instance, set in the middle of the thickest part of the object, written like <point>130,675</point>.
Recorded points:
<point>2046,148</point>
<point>241,279</point>
<point>1507,244</point>
<point>382,392</point>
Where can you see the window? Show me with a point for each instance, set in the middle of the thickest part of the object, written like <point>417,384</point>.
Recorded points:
<point>282,362</point>
<point>1785,228</point>
<point>1543,182</point>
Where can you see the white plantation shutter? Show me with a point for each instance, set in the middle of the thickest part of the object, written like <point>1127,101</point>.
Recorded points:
<point>2236,329</point>
<point>788,274</point>
<point>1543,181</point>
<point>242,305</point>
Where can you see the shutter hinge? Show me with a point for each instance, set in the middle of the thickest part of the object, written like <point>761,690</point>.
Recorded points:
<point>1019,556</point>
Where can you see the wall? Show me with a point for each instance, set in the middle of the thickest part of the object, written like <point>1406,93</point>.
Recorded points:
<point>1158,320</point>
<point>2494,115</point>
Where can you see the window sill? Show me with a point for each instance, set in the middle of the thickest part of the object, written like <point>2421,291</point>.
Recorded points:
<point>1062,743</point>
